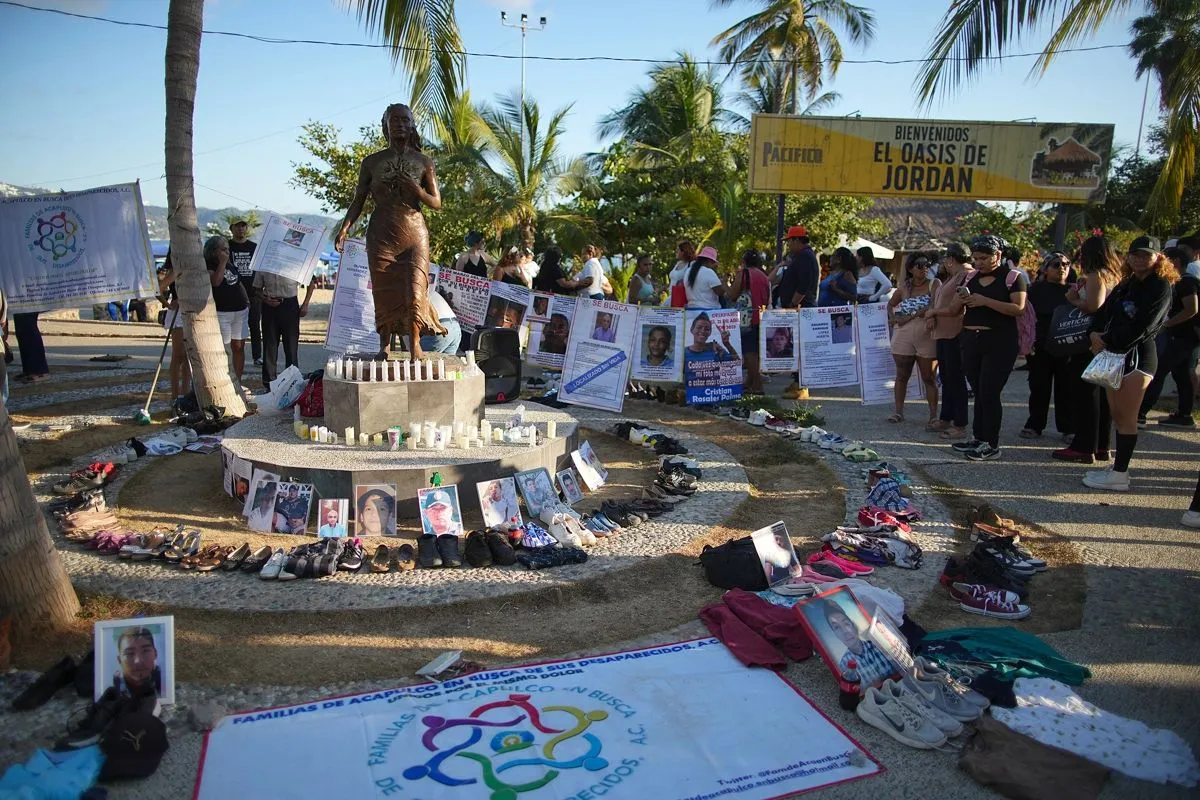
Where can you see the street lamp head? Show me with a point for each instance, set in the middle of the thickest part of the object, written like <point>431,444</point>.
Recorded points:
<point>504,16</point>
<point>524,18</point>
<point>542,21</point>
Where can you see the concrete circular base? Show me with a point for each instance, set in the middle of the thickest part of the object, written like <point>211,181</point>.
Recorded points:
<point>335,469</point>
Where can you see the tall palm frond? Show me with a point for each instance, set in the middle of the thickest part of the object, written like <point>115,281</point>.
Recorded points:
<point>425,39</point>
<point>767,91</point>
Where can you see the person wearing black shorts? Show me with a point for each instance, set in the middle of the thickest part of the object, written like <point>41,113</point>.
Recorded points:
<point>1128,322</point>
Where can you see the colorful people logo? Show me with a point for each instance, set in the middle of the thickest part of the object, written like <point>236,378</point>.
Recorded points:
<point>56,236</point>
<point>510,750</point>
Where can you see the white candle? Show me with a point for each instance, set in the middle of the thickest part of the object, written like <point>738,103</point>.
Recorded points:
<point>378,370</point>
<point>485,430</point>
<point>377,439</point>
<point>410,443</point>
<point>441,369</point>
<point>313,433</point>
<point>428,369</point>
<point>363,440</point>
<point>349,436</point>
<point>333,439</point>
<point>458,427</point>
<point>302,431</point>
<point>551,429</point>
<point>464,441</point>
<point>414,433</point>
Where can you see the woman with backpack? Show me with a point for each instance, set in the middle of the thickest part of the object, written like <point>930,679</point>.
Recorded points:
<point>912,342</point>
<point>994,298</point>
<point>752,291</point>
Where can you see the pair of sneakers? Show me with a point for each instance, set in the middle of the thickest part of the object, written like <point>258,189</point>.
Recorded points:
<point>566,528</point>
<point>486,548</point>
<point>438,551</point>
<point>852,569</point>
<point>102,714</point>
<point>976,598</point>
<point>675,462</point>
<point>91,477</point>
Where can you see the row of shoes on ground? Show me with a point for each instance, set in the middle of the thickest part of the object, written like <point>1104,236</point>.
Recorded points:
<point>93,476</point>
<point>647,437</point>
<point>924,709</point>
<point>992,579</point>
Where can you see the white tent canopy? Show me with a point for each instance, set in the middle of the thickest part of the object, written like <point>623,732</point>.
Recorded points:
<point>881,253</point>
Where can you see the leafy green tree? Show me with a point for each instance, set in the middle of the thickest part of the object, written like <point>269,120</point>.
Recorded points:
<point>1027,228</point>
<point>333,178</point>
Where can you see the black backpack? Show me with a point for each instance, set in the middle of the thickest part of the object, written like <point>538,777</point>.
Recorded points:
<point>734,565</point>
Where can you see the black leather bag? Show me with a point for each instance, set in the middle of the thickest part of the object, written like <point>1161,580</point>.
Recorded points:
<point>734,565</point>
<point>1068,331</point>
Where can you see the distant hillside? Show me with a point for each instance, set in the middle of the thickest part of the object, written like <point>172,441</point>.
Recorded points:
<point>156,216</point>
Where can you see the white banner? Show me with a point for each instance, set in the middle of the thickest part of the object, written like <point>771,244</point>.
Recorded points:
<point>778,340</point>
<point>875,364</point>
<point>712,358</point>
<point>287,248</point>
<point>670,721</point>
<point>658,346</point>
<point>352,313</point>
<point>548,340</point>
<point>76,248</point>
<point>596,369</point>
<point>827,337</point>
<point>467,295</point>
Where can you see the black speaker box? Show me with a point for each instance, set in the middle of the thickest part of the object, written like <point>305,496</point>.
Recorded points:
<point>498,354</point>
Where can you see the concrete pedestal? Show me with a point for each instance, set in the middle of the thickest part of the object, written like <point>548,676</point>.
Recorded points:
<point>374,406</point>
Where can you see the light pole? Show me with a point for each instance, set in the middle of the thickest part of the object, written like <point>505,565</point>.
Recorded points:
<point>524,26</point>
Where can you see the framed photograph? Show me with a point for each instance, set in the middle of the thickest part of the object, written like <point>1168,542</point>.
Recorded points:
<point>839,628</point>
<point>776,553</point>
<point>227,471</point>
<point>440,512</point>
<point>262,506</point>
<point>375,509</point>
<point>333,518</point>
<point>570,486</point>
<point>498,502</point>
<point>134,655</point>
<point>260,475</point>
<point>537,489</point>
<point>292,502</point>
<point>590,469</point>
<point>242,470</point>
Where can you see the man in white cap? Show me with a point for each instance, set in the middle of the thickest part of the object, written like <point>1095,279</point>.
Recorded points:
<point>440,514</point>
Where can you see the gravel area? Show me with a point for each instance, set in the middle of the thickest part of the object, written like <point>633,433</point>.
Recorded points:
<point>67,395</point>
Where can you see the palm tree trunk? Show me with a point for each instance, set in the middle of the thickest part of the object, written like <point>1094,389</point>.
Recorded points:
<point>205,350</point>
<point>35,592</point>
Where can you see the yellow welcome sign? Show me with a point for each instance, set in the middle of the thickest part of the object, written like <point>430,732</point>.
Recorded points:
<point>936,159</point>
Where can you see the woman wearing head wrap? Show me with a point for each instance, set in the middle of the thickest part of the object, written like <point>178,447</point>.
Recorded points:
<point>993,299</point>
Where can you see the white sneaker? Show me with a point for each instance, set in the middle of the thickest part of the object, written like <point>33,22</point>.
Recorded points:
<point>944,722</point>
<point>898,721</point>
<point>812,434</point>
<point>1191,519</point>
<point>943,698</point>
<point>558,529</point>
<point>1107,479</point>
<point>758,418</point>
<point>796,587</point>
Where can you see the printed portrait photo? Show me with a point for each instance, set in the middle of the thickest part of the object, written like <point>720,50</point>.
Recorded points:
<point>779,342</point>
<point>333,517</point>
<point>658,346</point>
<point>136,656</point>
<point>837,625</point>
<point>570,486</point>
<point>262,506</point>
<point>260,476</point>
<point>498,502</point>
<point>537,489</point>
<point>605,328</point>
<point>554,335</point>
<point>540,306</point>
<point>375,509</point>
<point>440,513</point>
<point>294,238</point>
<point>776,554</point>
<point>843,328</point>
<point>503,313</point>
<point>292,501</point>
<point>707,343</point>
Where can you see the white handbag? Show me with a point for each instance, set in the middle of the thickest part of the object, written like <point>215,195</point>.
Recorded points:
<point>1107,369</point>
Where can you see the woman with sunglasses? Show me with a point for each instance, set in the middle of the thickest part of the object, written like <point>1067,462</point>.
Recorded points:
<point>912,342</point>
<point>1046,371</point>
<point>1128,322</point>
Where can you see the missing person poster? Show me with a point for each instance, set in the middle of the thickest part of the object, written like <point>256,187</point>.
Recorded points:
<point>712,359</point>
<point>658,346</point>
<point>352,313</point>
<point>467,294</point>
<point>74,249</point>
<point>596,367</point>
<point>548,339</point>
<point>507,305</point>
<point>875,365</point>
<point>287,248</point>
<point>778,340</point>
<point>827,336</point>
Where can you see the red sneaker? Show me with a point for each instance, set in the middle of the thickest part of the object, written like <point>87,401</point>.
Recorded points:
<point>993,604</point>
<point>1067,454</point>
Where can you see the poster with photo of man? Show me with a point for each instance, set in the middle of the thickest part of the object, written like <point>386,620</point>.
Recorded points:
<point>467,294</point>
<point>712,357</point>
<point>548,339</point>
<point>596,368</point>
<point>658,348</point>
<point>829,359</point>
<point>839,628</point>
<point>440,512</point>
<point>292,501</point>
<point>779,340</point>
<point>507,305</point>
<point>589,466</point>
<point>498,502</point>
<point>135,656</point>
<point>537,490</point>
<point>333,517</point>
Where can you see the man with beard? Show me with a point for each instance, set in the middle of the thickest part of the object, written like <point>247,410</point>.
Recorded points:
<point>138,660</point>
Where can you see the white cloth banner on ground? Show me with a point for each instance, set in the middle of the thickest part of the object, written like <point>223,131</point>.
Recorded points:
<point>712,359</point>
<point>778,340</point>
<point>548,339</point>
<point>596,368</point>
<point>876,368</point>
<point>287,248</point>
<point>468,295</point>
<point>75,248</point>
<point>351,326</point>
<point>663,722</point>
<point>658,346</point>
<point>507,305</point>
<point>827,337</point>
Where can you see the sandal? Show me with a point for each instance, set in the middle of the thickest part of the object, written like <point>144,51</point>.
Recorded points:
<point>937,425</point>
<point>896,418</point>
<point>406,558</point>
<point>213,551</point>
<point>188,548</point>
<point>214,557</point>
<point>235,559</point>
<point>381,561</point>
<point>174,540</point>
<point>256,561</point>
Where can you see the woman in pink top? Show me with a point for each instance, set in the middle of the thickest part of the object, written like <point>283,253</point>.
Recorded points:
<point>751,280</point>
<point>945,323</point>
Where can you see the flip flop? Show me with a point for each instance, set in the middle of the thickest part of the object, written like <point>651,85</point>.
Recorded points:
<point>382,560</point>
<point>406,558</point>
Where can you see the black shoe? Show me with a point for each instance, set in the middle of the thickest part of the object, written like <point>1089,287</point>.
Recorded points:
<point>985,452</point>
<point>618,515</point>
<point>966,446</point>
<point>49,682</point>
<point>1006,558</point>
<point>983,569</point>
<point>89,729</point>
<point>447,547</point>
<point>85,676</point>
<point>675,483</point>
<point>669,447</point>
<point>502,552</point>
<point>1141,421</point>
<point>427,552</point>
<point>682,464</point>
<point>739,413</point>
<point>351,559</point>
<point>476,550</point>
<point>622,429</point>
<point>1178,421</point>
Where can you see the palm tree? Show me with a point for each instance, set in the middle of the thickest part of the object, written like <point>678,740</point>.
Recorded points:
<point>798,33</point>
<point>205,348</point>
<point>522,167</point>
<point>721,214</point>
<point>425,39</point>
<point>974,32</point>
<point>35,592</point>
<point>768,92</point>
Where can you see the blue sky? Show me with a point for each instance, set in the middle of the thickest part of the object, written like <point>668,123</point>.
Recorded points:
<point>84,105</point>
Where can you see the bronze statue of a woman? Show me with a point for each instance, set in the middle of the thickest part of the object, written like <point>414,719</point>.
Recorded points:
<point>399,179</point>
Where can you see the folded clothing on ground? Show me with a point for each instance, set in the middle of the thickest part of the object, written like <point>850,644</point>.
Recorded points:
<point>1022,768</point>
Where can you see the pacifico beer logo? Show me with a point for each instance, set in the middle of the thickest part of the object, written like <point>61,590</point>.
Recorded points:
<point>775,153</point>
<point>56,236</point>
